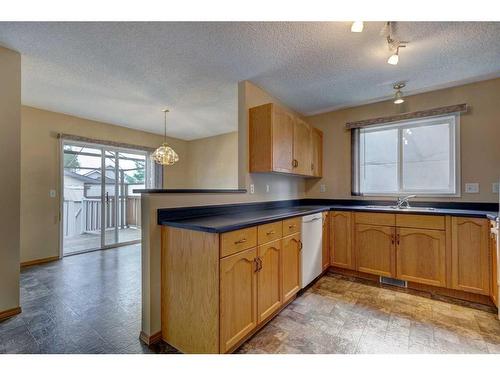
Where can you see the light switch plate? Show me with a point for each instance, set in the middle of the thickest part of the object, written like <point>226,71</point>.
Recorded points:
<point>322,188</point>
<point>268,188</point>
<point>52,193</point>
<point>472,187</point>
<point>495,187</point>
<point>252,188</point>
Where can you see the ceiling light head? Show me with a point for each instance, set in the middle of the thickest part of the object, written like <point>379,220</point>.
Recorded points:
<point>357,26</point>
<point>398,96</point>
<point>394,58</point>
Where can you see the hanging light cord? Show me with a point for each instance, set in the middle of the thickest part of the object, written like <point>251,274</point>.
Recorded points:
<point>165,111</point>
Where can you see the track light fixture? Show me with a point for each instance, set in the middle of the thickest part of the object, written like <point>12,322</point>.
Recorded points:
<point>393,44</point>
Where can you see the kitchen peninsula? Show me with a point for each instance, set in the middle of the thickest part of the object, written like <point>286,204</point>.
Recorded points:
<point>227,270</point>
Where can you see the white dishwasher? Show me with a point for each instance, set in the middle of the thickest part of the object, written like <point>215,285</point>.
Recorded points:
<point>312,241</point>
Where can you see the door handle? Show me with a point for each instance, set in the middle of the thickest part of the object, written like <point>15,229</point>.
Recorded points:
<point>107,198</point>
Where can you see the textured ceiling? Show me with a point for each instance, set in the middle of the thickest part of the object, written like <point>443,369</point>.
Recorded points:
<point>125,73</point>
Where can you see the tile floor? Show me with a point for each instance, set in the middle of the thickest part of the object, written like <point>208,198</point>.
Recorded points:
<point>90,303</point>
<point>337,315</point>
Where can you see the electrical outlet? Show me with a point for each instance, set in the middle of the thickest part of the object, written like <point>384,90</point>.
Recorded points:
<point>268,188</point>
<point>322,188</point>
<point>472,187</point>
<point>52,193</point>
<point>252,188</point>
<point>495,187</point>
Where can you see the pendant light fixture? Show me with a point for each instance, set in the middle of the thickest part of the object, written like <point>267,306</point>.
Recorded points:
<point>357,27</point>
<point>165,155</point>
<point>398,96</point>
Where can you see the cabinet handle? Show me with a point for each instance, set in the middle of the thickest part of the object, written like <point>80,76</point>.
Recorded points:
<point>295,163</point>
<point>392,238</point>
<point>259,263</point>
<point>397,238</point>
<point>256,262</point>
<point>312,166</point>
<point>270,232</point>
<point>243,240</point>
<point>291,226</point>
<point>301,245</point>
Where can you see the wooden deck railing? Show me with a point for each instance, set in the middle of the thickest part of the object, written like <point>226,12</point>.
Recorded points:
<point>85,216</point>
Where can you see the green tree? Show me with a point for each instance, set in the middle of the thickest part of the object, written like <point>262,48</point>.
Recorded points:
<point>71,161</point>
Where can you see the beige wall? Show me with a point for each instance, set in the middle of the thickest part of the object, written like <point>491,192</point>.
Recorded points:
<point>10,159</point>
<point>213,162</point>
<point>282,187</point>
<point>479,128</point>
<point>40,171</point>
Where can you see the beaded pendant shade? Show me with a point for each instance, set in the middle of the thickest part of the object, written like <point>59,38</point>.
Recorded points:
<point>165,155</point>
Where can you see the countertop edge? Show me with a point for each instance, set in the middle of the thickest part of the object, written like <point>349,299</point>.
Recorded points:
<point>190,191</point>
<point>241,225</point>
<point>291,214</point>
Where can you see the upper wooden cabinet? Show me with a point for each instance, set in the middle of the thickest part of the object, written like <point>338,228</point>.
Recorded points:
<point>470,260</point>
<point>341,251</point>
<point>317,152</point>
<point>302,148</point>
<point>282,142</point>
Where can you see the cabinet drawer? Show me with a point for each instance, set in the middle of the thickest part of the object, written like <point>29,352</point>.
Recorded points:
<point>238,240</point>
<point>420,221</point>
<point>375,218</point>
<point>269,232</point>
<point>291,226</point>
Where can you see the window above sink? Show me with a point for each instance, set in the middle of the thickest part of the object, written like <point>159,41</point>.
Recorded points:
<point>408,157</point>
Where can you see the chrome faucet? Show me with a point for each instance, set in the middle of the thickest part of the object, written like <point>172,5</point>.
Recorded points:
<point>404,202</point>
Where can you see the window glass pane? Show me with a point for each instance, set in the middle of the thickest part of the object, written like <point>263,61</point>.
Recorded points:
<point>426,158</point>
<point>379,161</point>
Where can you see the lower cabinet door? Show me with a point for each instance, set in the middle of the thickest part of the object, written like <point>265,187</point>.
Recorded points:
<point>375,249</point>
<point>341,251</point>
<point>470,260</point>
<point>269,296</point>
<point>291,275</point>
<point>421,256</point>
<point>238,297</point>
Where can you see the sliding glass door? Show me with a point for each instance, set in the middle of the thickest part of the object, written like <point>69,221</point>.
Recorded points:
<point>100,209</point>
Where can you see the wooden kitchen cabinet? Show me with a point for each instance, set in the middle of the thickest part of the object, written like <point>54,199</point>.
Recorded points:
<point>421,256</point>
<point>470,259</point>
<point>269,296</point>
<point>291,271</point>
<point>494,264</point>
<point>238,297</point>
<point>281,142</point>
<point>375,249</point>
<point>341,250</point>
<point>302,148</point>
<point>271,130</point>
<point>317,152</point>
<point>326,242</point>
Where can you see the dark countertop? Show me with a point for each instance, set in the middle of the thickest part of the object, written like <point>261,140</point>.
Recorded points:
<point>189,191</point>
<point>226,218</point>
<point>228,222</point>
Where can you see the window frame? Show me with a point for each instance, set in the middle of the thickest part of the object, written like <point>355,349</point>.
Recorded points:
<point>455,166</point>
